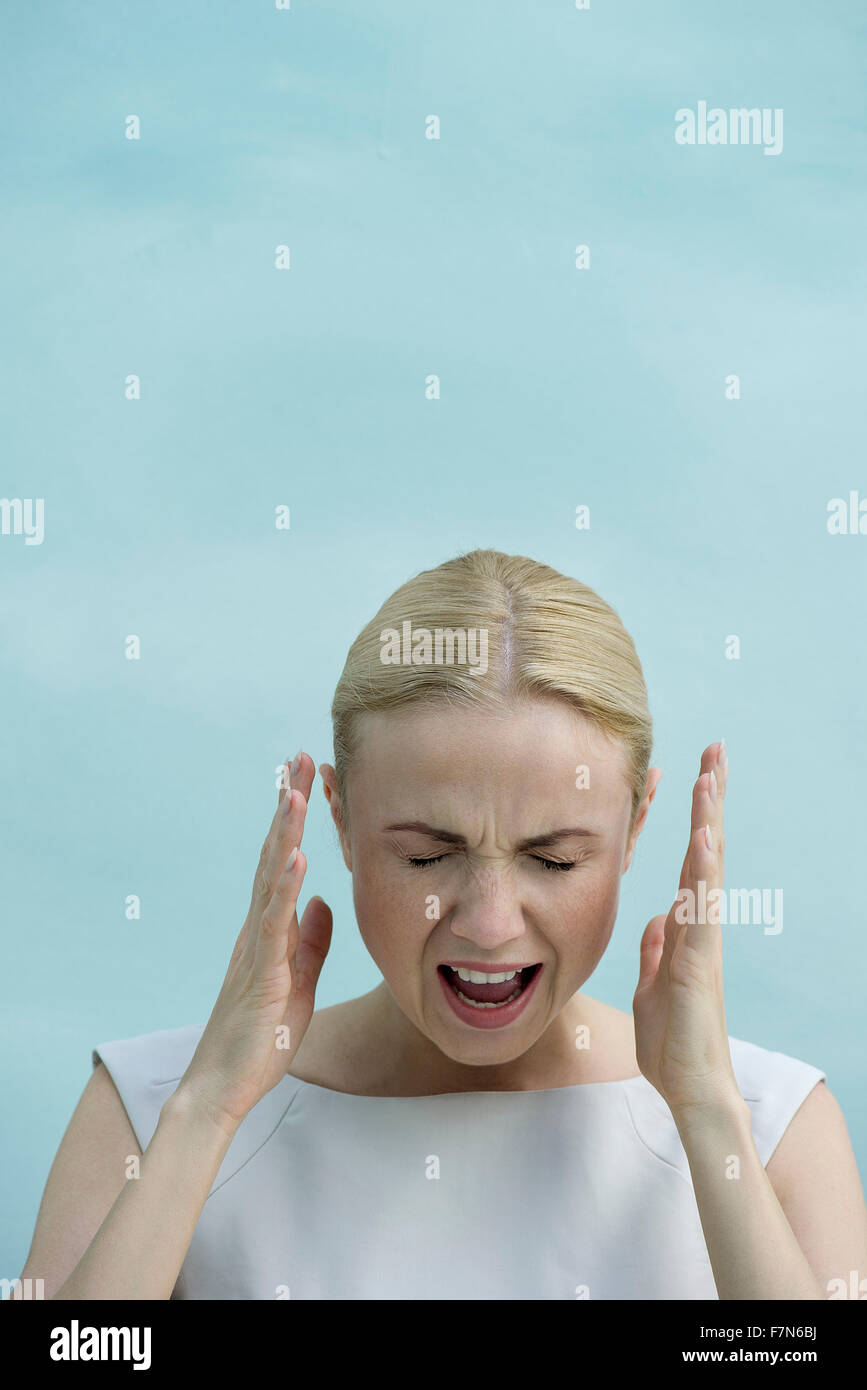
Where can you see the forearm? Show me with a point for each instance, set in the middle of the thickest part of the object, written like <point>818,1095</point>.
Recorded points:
<point>752,1248</point>
<point>139,1249</point>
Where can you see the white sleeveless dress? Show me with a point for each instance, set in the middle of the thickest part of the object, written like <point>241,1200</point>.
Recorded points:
<point>578,1192</point>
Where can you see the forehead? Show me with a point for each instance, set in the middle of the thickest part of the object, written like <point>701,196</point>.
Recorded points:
<point>538,747</point>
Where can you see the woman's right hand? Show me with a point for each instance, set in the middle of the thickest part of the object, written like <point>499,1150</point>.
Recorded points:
<point>268,995</point>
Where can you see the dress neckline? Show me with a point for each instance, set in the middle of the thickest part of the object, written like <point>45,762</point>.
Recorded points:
<point>450,1095</point>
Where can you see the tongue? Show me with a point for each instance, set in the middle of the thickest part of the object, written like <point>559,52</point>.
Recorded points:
<point>487,994</point>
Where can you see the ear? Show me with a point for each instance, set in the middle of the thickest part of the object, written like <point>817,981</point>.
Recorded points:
<point>653,777</point>
<point>329,786</point>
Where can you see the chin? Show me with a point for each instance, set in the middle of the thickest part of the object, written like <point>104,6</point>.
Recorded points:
<point>486,1051</point>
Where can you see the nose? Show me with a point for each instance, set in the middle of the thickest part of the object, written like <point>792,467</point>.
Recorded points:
<point>488,912</point>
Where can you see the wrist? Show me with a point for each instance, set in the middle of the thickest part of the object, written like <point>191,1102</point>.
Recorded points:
<point>188,1108</point>
<point>717,1110</point>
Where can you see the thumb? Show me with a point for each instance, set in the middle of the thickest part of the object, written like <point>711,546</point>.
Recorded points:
<point>314,939</point>
<point>652,941</point>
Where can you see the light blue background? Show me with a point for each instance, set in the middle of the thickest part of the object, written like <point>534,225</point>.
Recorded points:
<point>306,388</point>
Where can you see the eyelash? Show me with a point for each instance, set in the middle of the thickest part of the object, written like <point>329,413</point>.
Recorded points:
<point>551,865</point>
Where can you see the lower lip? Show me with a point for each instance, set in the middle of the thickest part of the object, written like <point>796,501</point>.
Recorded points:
<point>500,1017</point>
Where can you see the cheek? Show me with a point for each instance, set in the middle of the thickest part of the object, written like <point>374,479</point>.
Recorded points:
<point>602,898</point>
<point>584,917</point>
<point>386,908</point>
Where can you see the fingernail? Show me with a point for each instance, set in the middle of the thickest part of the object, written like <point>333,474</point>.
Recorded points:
<point>708,838</point>
<point>296,763</point>
<point>722,750</point>
<point>292,857</point>
<point>712,785</point>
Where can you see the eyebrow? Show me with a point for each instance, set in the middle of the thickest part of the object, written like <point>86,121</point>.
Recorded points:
<point>535,842</point>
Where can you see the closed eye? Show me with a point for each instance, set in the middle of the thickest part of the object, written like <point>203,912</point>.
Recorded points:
<point>554,865</point>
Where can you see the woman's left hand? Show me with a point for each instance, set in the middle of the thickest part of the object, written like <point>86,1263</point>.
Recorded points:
<point>681,1039</point>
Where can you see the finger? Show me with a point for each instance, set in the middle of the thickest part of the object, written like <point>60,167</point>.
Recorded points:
<point>302,772</point>
<point>702,874</point>
<point>314,939</point>
<point>714,766</point>
<point>296,772</point>
<point>283,836</point>
<point>708,795</point>
<point>283,783</point>
<point>277,937</point>
<point>287,822</point>
<point>705,856</point>
<point>650,951</point>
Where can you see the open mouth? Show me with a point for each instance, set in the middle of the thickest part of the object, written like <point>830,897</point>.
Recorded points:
<point>483,990</point>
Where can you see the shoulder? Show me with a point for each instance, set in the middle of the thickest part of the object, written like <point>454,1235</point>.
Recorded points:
<point>816,1139</point>
<point>775,1086</point>
<point>146,1070</point>
<point>168,1050</point>
<point>110,1126</point>
<point>814,1174</point>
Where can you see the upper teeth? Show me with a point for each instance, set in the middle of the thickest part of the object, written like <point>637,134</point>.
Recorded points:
<point>478,977</point>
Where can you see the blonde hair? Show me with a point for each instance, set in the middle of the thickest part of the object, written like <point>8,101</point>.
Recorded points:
<point>547,634</point>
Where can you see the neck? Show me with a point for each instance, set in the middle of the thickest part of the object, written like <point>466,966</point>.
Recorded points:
<point>406,1061</point>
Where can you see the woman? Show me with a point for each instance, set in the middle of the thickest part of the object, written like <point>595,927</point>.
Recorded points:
<point>476,1126</point>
